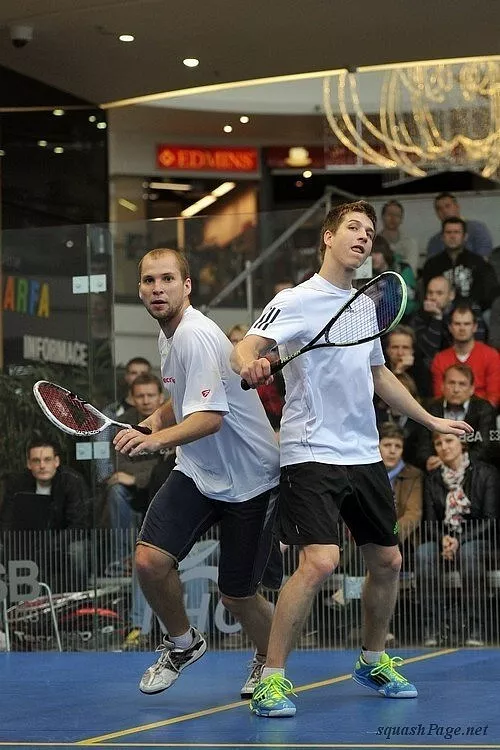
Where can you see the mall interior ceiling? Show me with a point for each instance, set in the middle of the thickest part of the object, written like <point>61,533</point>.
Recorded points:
<point>74,45</point>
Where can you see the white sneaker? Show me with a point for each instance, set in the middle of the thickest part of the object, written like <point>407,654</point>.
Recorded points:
<point>253,679</point>
<point>170,663</point>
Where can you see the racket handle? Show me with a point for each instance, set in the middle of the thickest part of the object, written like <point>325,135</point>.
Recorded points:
<point>144,430</point>
<point>275,367</point>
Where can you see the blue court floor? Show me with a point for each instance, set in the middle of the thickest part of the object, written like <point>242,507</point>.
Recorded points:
<point>92,699</point>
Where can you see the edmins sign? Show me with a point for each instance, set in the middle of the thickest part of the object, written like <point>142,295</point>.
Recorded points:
<point>207,159</point>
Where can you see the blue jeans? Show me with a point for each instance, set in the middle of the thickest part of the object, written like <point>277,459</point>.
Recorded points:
<point>122,520</point>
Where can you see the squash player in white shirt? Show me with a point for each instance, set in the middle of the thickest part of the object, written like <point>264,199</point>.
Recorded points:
<point>331,464</point>
<point>226,472</point>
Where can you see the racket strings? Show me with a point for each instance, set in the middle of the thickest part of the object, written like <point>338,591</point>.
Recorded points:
<point>369,314</point>
<point>70,410</point>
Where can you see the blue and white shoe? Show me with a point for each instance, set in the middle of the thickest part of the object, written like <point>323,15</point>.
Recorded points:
<point>269,697</point>
<point>383,677</point>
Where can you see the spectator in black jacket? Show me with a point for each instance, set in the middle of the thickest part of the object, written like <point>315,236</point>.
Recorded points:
<point>461,499</point>
<point>68,511</point>
<point>472,277</point>
<point>458,399</point>
<point>430,324</point>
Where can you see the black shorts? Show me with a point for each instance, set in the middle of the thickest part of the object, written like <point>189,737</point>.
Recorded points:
<point>179,515</point>
<point>313,495</point>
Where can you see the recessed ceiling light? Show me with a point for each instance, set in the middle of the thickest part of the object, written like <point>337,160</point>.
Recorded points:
<point>307,174</point>
<point>244,119</point>
<point>2,152</point>
<point>101,126</point>
<point>59,150</point>
<point>126,38</point>
<point>42,143</point>
<point>92,118</point>
<point>191,62</point>
<point>228,129</point>
<point>58,112</point>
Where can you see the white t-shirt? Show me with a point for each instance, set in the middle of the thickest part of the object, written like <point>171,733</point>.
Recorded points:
<point>328,415</point>
<point>241,460</point>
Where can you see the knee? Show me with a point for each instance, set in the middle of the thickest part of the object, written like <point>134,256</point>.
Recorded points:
<point>236,605</point>
<point>387,564</point>
<point>151,564</point>
<point>316,567</point>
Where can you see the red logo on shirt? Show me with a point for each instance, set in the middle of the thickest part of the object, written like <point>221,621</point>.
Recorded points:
<point>169,380</point>
<point>205,392</point>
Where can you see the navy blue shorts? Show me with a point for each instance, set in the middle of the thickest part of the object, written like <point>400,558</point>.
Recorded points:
<point>180,514</point>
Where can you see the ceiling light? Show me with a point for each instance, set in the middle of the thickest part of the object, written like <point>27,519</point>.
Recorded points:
<point>58,112</point>
<point>127,204</point>
<point>180,186</point>
<point>92,118</point>
<point>42,144</point>
<point>101,126</point>
<point>307,174</point>
<point>223,188</point>
<point>244,119</point>
<point>227,129</point>
<point>191,62</point>
<point>2,152</point>
<point>126,38</point>
<point>59,150</point>
<point>195,208</point>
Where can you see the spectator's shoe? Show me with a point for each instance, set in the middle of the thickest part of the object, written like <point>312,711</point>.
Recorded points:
<point>269,697</point>
<point>253,679</point>
<point>132,640</point>
<point>383,677</point>
<point>474,639</point>
<point>170,663</point>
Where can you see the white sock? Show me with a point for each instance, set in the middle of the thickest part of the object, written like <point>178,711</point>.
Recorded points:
<point>272,670</point>
<point>371,657</point>
<point>183,641</point>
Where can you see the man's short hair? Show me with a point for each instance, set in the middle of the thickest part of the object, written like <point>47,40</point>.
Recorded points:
<point>400,330</point>
<point>440,197</point>
<point>463,370</point>
<point>463,307</point>
<point>334,218</point>
<point>147,378</point>
<point>43,443</point>
<point>158,252</point>
<point>390,203</point>
<point>392,431</point>
<point>454,220</point>
<point>138,361</point>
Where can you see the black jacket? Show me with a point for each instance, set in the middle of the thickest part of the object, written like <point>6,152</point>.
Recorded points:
<point>482,487</point>
<point>70,500</point>
<point>482,444</point>
<point>473,278</point>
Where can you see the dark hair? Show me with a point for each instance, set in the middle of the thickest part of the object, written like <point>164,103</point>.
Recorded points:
<point>43,443</point>
<point>401,330</point>
<point>380,245</point>
<point>147,378</point>
<point>454,220</point>
<point>393,202</point>
<point>440,197</point>
<point>138,361</point>
<point>334,218</point>
<point>463,370</point>
<point>391,430</point>
<point>463,307</point>
<point>157,252</point>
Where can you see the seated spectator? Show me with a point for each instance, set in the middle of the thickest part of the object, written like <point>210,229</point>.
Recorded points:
<point>461,500</point>
<point>410,430</point>
<point>430,324</point>
<point>459,402</point>
<point>132,475</point>
<point>481,358</point>
<point>66,511</point>
<point>471,276</point>
<point>479,238</point>
<point>399,348</point>
<point>384,259</point>
<point>405,248</point>
<point>237,333</point>
<point>134,367</point>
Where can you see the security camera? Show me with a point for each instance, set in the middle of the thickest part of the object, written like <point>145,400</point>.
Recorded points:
<point>20,35</point>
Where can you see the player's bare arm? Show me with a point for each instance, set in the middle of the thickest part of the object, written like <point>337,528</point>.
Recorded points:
<point>163,417</point>
<point>194,427</point>
<point>390,390</point>
<point>248,361</point>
